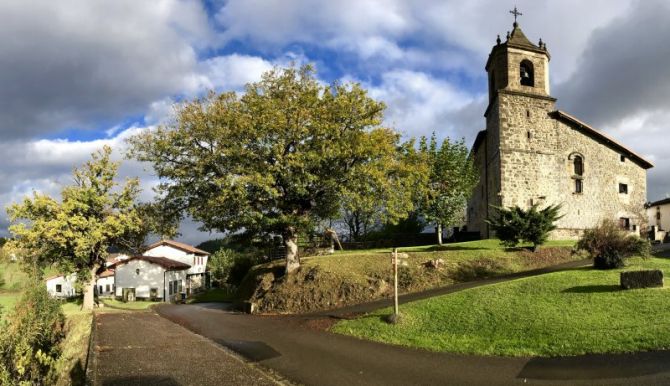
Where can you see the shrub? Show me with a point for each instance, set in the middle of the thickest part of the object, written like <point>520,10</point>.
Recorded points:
<point>609,245</point>
<point>32,332</point>
<point>228,267</point>
<point>516,225</point>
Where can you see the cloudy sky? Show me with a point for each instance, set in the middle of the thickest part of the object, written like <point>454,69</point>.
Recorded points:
<point>77,74</point>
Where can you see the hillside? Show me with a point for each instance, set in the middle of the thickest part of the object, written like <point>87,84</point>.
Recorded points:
<point>350,277</point>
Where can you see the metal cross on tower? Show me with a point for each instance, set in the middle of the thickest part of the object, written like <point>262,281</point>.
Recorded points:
<point>516,13</point>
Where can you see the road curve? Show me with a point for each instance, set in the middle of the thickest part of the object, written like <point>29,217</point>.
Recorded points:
<point>297,348</point>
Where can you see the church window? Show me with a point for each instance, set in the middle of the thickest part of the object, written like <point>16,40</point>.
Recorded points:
<point>528,134</point>
<point>578,163</point>
<point>527,113</point>
<point>578,186</point>
<point>623,158</point>
<point>658,215</point>
<point>527,77</point>
<point>623,188</point>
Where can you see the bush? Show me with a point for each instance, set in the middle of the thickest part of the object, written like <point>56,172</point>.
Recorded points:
<point>609,245</point>
<point>516,225</point>
<point>30,343</point>
<point>228,267</point>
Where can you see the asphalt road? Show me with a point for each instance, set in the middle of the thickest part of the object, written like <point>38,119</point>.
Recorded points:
<point>298,348</point>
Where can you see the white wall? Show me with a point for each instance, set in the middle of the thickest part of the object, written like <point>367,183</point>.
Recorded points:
<point>664,222</point>
<point>198,263</point>
<point>105,282</point>
<point>149,276</point>
<point>66,283</point>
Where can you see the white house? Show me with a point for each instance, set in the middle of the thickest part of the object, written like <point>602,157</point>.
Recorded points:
<point>196,258</point>
<point>150,277</point>
<point>62,286</point>
<point>104,285</point>
<point>659,218</point>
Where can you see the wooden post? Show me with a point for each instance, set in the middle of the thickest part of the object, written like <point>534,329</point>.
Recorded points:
<point>395,281</point>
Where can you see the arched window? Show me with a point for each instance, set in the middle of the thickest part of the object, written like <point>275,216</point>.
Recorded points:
<point>577,171</point>
<point>578,163</point>
<point>526,74</point>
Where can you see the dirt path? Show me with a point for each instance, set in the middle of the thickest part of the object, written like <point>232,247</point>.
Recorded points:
<point>141,348</point>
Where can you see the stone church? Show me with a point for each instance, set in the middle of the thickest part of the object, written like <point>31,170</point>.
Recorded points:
<point>532,153</point>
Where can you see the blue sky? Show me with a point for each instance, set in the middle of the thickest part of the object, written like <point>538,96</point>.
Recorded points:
<point>80,74</point>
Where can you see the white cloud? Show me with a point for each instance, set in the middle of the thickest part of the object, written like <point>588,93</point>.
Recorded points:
<point>232,72</point>
<point>418,104</point>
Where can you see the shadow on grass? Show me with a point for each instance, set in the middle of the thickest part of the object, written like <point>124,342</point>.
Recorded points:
<point>588,289</point>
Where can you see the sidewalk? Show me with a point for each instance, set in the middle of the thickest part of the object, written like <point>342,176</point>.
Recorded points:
<point>141,348</point>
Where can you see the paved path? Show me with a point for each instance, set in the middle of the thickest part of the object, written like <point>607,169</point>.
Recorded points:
<point>141,348</point>
<point>298,348</point>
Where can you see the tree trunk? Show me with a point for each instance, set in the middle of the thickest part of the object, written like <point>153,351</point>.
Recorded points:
<point>439,234</point>
<point>89,290</point>
<point>290,239</point>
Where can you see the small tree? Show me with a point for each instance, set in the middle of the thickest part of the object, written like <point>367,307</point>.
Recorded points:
<point>31,334</point>
<point>451,179</point>
<point>75,232</point>
<point>609,245</point>
<point>516,225</point>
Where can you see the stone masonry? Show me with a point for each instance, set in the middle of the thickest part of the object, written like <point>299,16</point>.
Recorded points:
<point>528,151</point>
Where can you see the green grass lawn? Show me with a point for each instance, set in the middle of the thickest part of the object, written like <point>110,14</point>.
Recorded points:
<point>565,313</point>
<point>7,301</point>
<point>359,264</point>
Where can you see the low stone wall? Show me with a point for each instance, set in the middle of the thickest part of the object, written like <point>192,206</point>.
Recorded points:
<point>642,279</point>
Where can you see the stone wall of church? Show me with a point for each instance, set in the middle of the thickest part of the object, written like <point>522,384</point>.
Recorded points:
<point>536,168</point>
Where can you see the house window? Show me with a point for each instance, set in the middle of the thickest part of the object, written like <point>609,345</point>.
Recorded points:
<point>658,215</point>
<point>59,288</point>
<point>624,223</point>
<point>526,75</point>
<point>99,289</point>
<point>578,186</point>
<point>180,286</point>
<point>137,271</point>
<point>623,158</point>
<point>623,188</point>
<point>107,288</point>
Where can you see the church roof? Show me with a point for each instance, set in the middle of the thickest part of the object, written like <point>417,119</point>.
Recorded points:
<point>517,39</point>
<point>588,130</point>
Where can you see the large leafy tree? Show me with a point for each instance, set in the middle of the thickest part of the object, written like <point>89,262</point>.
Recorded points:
<point>452,177</point>
<point>385,189</point>
<point>274,160</point>
<point>74,233</point>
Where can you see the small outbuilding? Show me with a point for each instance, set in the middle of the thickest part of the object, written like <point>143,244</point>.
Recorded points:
<point>62,286</point>
<point>196,275</point>
<point>153,278</point>
<point>104,285</point>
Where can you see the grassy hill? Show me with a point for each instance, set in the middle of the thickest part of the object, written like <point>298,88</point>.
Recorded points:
<point>350,277</point>
<point>572,312</point>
